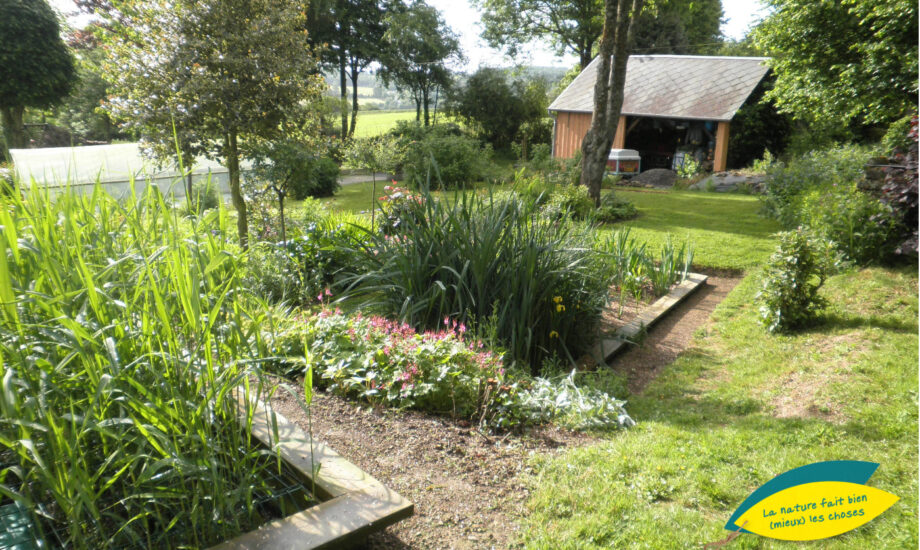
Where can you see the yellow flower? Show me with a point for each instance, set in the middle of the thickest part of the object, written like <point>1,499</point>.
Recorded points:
<point>553,334</point>
<point>557,299</point>
<point>560,307</point>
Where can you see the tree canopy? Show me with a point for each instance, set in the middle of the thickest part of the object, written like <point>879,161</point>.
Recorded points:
<point>678,26</point>
<point>36,68</point>
<point>843,60</point>
<point>497,106</point>
<point>418,48</point>
<point>224,73</point>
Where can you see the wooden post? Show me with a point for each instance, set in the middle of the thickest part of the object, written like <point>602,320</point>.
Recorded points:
<point>619,139</point>
<point>721,155</point>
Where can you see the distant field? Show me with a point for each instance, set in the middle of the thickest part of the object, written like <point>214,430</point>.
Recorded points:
<point>373,123</point>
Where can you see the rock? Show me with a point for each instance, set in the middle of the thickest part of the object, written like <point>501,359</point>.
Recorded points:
<point>656,177</point>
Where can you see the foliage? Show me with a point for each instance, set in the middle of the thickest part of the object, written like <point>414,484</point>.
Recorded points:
<point>205,196</point>
<point>397,205</point>
<point>900,192</point>
<point>322,179</point>
<point>689,167</point>
<point>615,208</point>
<point>674,26</point>
<point>842,61</point>
<point>36,68</point>
<point>478,258</point>
<point>900,134</point>
<point>859,225</point>
<point>313,260</point>
<point>820,190</point>
<point>498,108</point>
<point>125,332</point>
<point>787,181</point>
<point>212,77</point>
<point>635,270</point>
<point>570,26</point>
<point>444,371</point>
<point>347,35</point>
<point>757,126</point>
<point>80,112</point>
<point>419,45</point>
<point>446,161</point>
<point>793,275</point>
<point>571,201</point>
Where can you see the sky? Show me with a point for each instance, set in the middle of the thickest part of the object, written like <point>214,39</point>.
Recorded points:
<point>463,18</point>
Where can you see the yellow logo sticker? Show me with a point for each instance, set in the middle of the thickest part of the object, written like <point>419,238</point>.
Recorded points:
<point>816,510</point>
<point>812,502</point>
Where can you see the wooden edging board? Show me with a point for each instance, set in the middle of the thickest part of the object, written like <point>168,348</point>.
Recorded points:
<point>353,504</point>
<point>608,347</point>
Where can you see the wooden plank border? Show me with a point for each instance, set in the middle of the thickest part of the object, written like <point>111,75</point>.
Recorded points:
<point>606,348</point>
<point>354,504</point>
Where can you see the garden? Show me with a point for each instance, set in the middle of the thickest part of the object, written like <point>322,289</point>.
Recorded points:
<point>491,347</point>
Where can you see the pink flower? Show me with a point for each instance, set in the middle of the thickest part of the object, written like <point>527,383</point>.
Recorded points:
<point>320,297</point>
<point>328,293</point>
<point>446,321</point>
<point>462,328</point>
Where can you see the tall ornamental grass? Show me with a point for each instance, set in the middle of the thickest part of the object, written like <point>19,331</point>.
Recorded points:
<point>124,335</point>
<point>537,285</point>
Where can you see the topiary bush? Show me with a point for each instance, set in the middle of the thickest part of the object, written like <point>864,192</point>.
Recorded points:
<point>793,276</point>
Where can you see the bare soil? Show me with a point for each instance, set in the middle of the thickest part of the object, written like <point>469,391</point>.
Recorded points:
<point>673,334</point>
<point>465,485</point>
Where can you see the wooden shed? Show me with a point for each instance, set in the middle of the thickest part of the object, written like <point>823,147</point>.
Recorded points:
<point>671,102</point>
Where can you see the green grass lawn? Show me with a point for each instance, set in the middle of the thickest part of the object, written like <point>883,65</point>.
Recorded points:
<point>726,230</point>
<point>374,123</point>
<point>740,407</point>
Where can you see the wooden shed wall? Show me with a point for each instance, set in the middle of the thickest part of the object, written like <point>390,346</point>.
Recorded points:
<point>571,129</point>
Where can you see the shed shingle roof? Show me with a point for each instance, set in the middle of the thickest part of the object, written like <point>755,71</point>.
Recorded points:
<point>673,86</point>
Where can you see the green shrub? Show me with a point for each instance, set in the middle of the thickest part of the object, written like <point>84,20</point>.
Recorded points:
<point>572,201</point>
<point>862,227</point>
<point>446,161</point>
<point>614,209</point>
<point>793,275</point>
<point>205,196</point>
<point>300,269</point>
<point>898,136</point>
<point>477,258</point>
<point>636,271</point>
<point>787,182</point>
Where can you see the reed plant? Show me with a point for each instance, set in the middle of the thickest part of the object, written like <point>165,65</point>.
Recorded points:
<point>637,271</point>
<point>539,281</point>
<point>126,338</point>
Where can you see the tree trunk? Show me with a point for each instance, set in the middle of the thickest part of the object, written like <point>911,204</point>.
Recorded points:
<point>354,99</point>
<point>343,94</point>
<point>608,92</point>
<point>418,108</point>
<point>13,129</point>
<point>233,168</point>
<point>425,100</point>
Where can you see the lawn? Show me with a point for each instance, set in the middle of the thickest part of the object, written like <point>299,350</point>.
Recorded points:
<point>725,229</point>
<point>740,407</point>
<point>373,123</point>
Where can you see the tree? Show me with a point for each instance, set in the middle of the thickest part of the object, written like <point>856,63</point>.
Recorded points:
<point>569,25</point>
<point>498,107</point>
<point>842,60</point>
<point>348,35</point>
<point>224,73</point>
<point>419,46</point>
<point>81,111</point>
<point>608,92</point>
<point>377,154</point>
<point>678,26</point>
<point>36,68</point>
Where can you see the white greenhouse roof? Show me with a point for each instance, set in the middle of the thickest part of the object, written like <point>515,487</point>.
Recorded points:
<point>59,166</point>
